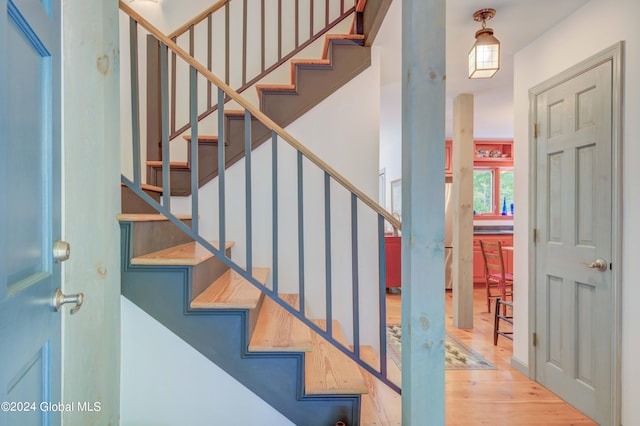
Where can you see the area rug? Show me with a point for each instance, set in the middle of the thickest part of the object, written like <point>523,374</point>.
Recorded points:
<point>457,355</point>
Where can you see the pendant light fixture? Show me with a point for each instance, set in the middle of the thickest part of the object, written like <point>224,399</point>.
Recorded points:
<point>484,56</point>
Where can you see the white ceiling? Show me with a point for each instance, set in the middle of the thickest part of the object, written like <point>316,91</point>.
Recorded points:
<point>517,23</point>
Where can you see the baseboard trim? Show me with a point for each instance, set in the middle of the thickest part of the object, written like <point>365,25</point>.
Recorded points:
<point>520,366</point>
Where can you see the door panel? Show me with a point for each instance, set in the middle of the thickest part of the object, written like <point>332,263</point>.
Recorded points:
<point>29,186</point>
<point>574,217</point>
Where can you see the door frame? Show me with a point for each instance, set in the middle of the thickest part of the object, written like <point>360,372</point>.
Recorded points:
<point>615,54</point>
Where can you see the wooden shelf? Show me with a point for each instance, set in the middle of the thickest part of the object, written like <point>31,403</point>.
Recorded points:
<point>486,154</point>
<point>493,153</point>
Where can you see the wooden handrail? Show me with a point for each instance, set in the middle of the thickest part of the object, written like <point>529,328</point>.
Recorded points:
<point>198,18</point>
<point>262,117</point>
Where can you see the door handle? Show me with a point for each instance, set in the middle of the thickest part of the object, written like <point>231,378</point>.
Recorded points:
<point>60,299</point>
<point>599,264</point>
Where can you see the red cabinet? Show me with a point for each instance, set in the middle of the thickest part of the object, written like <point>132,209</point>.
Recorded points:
<point>393,250</point>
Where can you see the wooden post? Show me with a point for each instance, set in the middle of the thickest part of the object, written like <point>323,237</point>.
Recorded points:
<point>423,304</point>
<point>463,211</point>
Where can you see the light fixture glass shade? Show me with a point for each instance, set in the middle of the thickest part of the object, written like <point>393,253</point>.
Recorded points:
<point>484,56</point>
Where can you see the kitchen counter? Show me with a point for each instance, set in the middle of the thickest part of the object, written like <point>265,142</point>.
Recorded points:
<point>493,230</point>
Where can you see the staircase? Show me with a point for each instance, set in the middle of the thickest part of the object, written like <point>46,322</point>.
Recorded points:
<point>235,315</point>
<point>196,296</point>
<point>344,56</point>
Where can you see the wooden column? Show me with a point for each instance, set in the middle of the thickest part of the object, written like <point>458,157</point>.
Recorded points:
<point>462,204</point>
<point>423,117</point>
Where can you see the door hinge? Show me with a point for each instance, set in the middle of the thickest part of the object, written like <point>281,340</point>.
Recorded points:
<point>534,339</point>
<point>535,130</point>
<point>535,235</point>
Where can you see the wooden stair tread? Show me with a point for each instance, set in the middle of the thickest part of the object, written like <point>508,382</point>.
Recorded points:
<point>202,138</point>
<point>288,87</point>
<point>172,164</point>
<point>147,217</point>
<point>382,405</point>
<point>231,291</point>
<point>329,371</point>
<point>277,330</point>
<point>234,112</point>
<point>153,188</point>
<point>330,37</point>
<point>188,254</point>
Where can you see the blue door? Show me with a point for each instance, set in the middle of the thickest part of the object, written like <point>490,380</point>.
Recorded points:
<point>30,341</point>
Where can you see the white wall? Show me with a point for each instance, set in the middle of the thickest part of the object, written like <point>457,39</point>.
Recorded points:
<point>165,382</point>
<point>591,29</point>
<point>389,41</point>
<point>91,200</point>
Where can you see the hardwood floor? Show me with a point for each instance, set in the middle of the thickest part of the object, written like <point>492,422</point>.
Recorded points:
<point>494,397</point>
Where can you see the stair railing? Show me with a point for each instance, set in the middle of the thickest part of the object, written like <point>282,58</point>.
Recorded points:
<point>303,154</point>
<point>309,22</point>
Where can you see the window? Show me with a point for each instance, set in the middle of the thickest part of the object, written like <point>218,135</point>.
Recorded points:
<point>506,192</point>
<point>492,192</point>
<point>482,191</point>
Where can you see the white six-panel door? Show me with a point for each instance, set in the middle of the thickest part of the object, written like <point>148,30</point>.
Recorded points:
<point>574,241</point>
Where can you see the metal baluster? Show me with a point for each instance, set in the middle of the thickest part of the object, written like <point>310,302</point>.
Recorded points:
<point>135,100</point>
<point>191,40</point>
<point>244,43</point>
<point>174,77</point>
<point>279,29</point>
<point>274,185</point>
<point>297,23</point>
<point>311,19</point>
<point>195,184</point>
<point>382,296</point>
<point>300,234</point>
<point>247,167</point>
<point>226,43</point>
<point>262,36</point>
<point>221,172</point>
<point>355,275</point>
<point>326,13</point>
<point>209,58</point>
<point>327,252</point>
<point>164,126</point>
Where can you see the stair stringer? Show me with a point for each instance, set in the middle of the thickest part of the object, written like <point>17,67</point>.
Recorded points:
<point>223,336</point>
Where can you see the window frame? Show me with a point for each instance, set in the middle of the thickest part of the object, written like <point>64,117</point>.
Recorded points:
<point>495,214</point>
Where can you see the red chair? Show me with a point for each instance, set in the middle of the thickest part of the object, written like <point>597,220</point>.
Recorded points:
<point>498,282</point>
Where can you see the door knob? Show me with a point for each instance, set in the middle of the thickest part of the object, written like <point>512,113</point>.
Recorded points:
<point>61,251</point>
<point>599,264</point>
<point>60,299</point>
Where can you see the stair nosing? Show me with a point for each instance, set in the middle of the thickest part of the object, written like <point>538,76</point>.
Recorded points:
<point>156,259</point>
<point>147,217</point>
